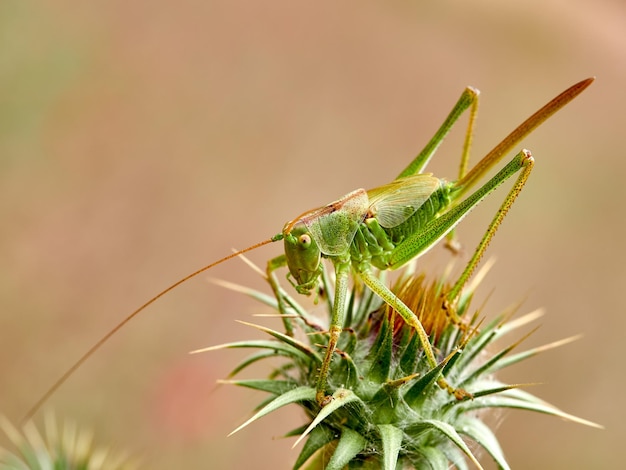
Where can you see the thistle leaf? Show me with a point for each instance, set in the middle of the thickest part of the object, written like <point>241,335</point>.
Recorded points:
<point>280,349</point>
<point>253,293</point>
<point>433,459</point>
<point>292,396</point>
<point>416,393</point>
<point>318,438</point>
<point>339,399</point>
<point>391,438</point>
<point>277,387</point>
<point>540,407</point>
<point>287,340</point>
<point>509,361</point>
<point>349,446</point>
<point>382,353</point>
<point>251,360</point>
<point>476,430</point>
<point>448,431</point>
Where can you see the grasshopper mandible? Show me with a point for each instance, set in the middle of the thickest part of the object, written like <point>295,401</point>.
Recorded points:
<point>384,228</point>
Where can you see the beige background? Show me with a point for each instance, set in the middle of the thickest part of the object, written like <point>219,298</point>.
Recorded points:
<point>141,140</point>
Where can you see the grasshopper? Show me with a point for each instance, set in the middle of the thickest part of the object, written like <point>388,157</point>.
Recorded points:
<point>384,228</point>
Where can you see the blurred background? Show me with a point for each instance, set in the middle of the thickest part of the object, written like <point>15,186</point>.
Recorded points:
<point>142,140</point>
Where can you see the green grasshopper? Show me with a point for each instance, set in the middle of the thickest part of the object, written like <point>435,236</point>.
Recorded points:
<point>390,225</point>
<point>384,228</point>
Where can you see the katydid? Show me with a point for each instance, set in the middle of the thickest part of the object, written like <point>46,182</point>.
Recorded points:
<point>384,228</point>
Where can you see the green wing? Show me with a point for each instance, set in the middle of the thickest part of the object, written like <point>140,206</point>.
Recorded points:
<point>395,202</point>
<point>333,226</point>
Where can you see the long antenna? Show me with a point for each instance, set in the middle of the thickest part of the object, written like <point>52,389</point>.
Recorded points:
<point>121,324</point>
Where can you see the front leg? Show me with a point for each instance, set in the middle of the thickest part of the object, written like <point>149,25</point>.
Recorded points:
<point>342,271</point>
<point>272,266</point>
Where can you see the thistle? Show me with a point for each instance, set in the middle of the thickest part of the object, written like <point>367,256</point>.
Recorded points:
<point>61,449</point>
<point>389,408</point>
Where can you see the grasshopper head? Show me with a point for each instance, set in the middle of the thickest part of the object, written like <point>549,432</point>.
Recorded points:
<point>303,257</point>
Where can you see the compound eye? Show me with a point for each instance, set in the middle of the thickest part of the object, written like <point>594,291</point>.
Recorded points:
<point>304,240</point>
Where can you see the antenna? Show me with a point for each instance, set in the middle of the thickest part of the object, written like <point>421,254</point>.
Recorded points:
<point>128,318</point>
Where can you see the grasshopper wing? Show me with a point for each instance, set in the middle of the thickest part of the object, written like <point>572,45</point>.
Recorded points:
<point>395,202</point>
<point>333,226</point>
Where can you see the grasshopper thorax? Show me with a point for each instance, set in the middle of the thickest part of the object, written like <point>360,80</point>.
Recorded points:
<point>303,257</point>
